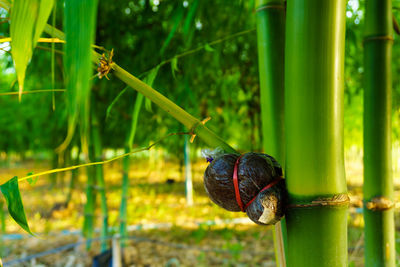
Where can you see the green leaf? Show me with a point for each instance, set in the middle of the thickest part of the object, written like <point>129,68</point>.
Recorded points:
<point>15,207</point>
<point>115,101</point>
<point>190,16</point>
<point>79,25</point>
<point>147,105</point>
<point>28,19</point>
<point>32,181</point>
<point>208,48</point>
<point>149,79</point>
<point>176,17</point>
<point>174,66</point>
<point>151,76</point>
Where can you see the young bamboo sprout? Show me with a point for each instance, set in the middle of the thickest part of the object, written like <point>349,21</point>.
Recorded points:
<point>250,183</point>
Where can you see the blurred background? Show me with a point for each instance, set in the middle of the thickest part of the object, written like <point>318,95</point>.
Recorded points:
<point>206,52</point>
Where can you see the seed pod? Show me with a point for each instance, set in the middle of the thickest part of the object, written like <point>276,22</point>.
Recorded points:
<point>255,171</point>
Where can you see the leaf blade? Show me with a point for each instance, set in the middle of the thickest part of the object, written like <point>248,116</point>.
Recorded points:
<point>15,207</point>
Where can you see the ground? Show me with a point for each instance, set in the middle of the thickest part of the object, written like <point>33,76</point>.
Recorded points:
<point>182,235</point>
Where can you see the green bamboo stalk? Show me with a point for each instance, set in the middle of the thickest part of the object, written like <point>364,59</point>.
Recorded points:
<point>271,54</point>
<point>97,153</point>
<point>74,177</point>
<point>2,228</point>
<point>378,181</point>
<point>126,166</point>
<point>316,219</point>
<point>188,172</point>
<point>90,205</point>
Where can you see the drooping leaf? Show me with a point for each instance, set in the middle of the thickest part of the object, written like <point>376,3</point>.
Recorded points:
<point>177,18</point>
<point>28,19</point>
<point>190,16</point>
<point>149,79</point>
<point>11,193</point>
<point>174,66</point>
<point>109,108</point>
<point>79,25</point>
<point>208,48</point>
<point>151,76</point>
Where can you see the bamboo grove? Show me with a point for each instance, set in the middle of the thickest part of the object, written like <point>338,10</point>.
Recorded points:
<point>301,67</point>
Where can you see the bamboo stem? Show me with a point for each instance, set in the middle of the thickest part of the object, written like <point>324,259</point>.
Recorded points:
<point>271,44</point>
<point>378,181</point>
<point>314,70</point>
<point>101,187</point>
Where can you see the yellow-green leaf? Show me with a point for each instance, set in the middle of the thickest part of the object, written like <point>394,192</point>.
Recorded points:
<point>28,19</point>
<point>79,25</point>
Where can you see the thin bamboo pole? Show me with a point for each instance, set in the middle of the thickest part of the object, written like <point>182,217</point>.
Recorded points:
<point>101,187</point>
<point>378,181</point>
<point>188,172</point>
<point>126,166</point>
<point>314,68</point>
<point>271,54</point>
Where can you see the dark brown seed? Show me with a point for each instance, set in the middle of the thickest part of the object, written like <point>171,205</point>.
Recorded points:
<point>255,171</point>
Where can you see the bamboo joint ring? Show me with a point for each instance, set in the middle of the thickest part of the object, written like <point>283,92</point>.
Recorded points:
<point>379,204</point>
<point>336,200</point>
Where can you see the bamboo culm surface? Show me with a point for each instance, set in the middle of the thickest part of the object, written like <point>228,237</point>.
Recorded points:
<point>378,182</point>
<point>271,46</point>
<point>314,69</point>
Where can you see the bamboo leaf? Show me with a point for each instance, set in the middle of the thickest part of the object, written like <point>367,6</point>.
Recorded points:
<point>79,24</point>
<point>190,17</point>
<point>149,80</point>
<point>177,17</point>
<point>15,207</point>
<point>174,66</point>
<point>115,101</point>
<point>147,105</point>
<point>208,48</point>
<point>28,19</point>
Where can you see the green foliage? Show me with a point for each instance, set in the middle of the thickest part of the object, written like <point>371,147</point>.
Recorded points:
<point>79,24</point>
<point>28,19</point>
<point>15,207</point>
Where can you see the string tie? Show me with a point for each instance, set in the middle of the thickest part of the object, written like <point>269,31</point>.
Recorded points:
<point>239,201</point>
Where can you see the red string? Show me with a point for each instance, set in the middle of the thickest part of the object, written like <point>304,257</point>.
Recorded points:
<point>236,186</point>
<point>274,182</point>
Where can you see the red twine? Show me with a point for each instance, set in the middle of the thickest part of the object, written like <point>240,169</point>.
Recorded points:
<point>236,186</point>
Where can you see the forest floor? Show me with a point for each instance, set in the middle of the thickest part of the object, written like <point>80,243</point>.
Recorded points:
<point>165,230</point>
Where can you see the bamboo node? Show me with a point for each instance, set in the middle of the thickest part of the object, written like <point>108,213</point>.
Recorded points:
<point>104,66</point>
<point>192,134</point>
<point>379,204</point>
<point>336,200</point>
<point>270,7</point>
<point>378,37</point>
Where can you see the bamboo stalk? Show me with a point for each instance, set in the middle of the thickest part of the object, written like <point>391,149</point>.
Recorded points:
<point>378,181</point>
<point>271,47</point>
<point>74,177</point>
<point>101,187</point>
<point>188,172</point>
<point>314,69</point>
<point>126,166</point>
